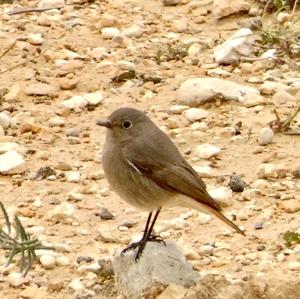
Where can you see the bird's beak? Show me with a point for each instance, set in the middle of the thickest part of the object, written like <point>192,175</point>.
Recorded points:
<point>105,123</point>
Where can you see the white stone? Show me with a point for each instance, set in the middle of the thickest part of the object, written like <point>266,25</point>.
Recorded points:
<point>62,212</point>
<point>270,87</point>
<point>110,32</point>
<point>223,8</point>
<point>10,161</point>
<point>195,114</point>
<point>204,171</point>
<point>76,285</point>
<point>51,4</point>
<point>196,91</point>
<point>265,136</point>
<point>194,52</point>
<point>222,195</point>
<point>93,98</point>
<point>8,146</point>
<point>94,267</point>
<point>281,97</point>
<point>283,17</point>
<point>250,194</point>
<point>239,45</point>
<point>207,151</point>
<point>73,176</point>
<point>62,261</point>
<point>294,266</point>
<point>178,109</point>
<point>47,261</point>
<point>203,218</point>
<point>75,196</point>
<point>56,121</point>
<point>125,65</point>
<point>206,250</point>
<point>17,279</point>
<point>76,102</point>
<point>267,170</point>
<point>133,31</point>
<point>35,39</point>
<point>4,120</point>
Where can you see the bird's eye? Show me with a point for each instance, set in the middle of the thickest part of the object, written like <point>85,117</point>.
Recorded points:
<point>126,124</point>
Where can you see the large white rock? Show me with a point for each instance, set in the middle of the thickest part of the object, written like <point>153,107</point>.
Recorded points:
<point>158,264</point>
<point>8,146</point>
<point>223,8</point>
<point>4,120</point>
<point>240,44</point>
<point>207,151</point>
<point>93,98</point>
<point>265,136</point>
<point>10,162</point>
<point>194,92</point>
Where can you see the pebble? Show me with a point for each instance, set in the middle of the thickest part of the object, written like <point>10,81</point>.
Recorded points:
<point>75,196</point>
<point>223,9</point>
<point>203,218</point>
<point>56,121</point>
<point>8,146</point>
<point>294,266</point>
<point>282,97</point>
<point>93,98</point>
<point>47,261</point>
<point>51,3</point>
<point>110,32</point>
<point>265,136</point>
<point>73,176</point>
<point>11,162</point>
<point>250,194</point>
<point>17,279</point>
<point>4,120</point>
<point>222,195</point>
<point>270,87</point>
<point>266,170</point>
<point>204,171</point>
<point>195,114</point>
<point>133,31</point>
<point>35,39</point>
<point>207,151</point>
<point>290,206</point>
<point>206,250</point>
<point>258,225</point>
<point>76,102</point>
<point>62,261</point>
<point>40,89</point>
<point>62,213</point>
<point>236,184</point>
<point>105,214</point>
<point>171,2</point>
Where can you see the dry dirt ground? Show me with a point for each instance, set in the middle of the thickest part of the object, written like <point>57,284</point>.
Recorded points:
<point>260,253</point>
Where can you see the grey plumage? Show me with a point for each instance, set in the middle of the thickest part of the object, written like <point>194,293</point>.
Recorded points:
<point>146,169</point>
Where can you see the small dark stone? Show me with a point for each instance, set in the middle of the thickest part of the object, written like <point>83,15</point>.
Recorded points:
<point>296,173</point>
<point>258,225</point>
<point>84,259</point>
<point>261,247</point>
<point>128,223</point>
<point>44,172</point>
<point>105,214</point>
<point>236,184</point>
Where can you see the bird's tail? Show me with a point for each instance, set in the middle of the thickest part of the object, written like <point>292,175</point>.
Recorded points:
<point>189,202</point>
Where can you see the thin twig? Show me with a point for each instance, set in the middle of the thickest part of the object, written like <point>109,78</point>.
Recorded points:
<point>19,11</point>
<point>8,49</point>
<point>294,9</point>
<point>21,63</point>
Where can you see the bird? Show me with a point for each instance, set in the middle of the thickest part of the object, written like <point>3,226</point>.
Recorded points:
<point>146,169</point>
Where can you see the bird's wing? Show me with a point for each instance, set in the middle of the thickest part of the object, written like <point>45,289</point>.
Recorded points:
<point>172,173</point>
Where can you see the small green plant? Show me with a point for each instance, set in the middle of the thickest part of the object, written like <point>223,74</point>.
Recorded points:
<point>291,238</point>
<point>20,244</point>
<point>170,52</point>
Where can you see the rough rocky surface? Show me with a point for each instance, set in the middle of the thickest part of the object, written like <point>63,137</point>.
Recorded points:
<point>159,264</point>
<point>100,55</point>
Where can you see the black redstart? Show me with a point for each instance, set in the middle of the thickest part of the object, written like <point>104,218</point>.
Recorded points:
<point>145,168</point>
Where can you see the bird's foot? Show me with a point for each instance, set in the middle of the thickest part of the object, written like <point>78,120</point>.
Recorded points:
<point>157,238</point>
<point>141,245</point>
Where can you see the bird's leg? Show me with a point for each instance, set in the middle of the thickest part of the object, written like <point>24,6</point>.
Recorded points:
<point>148,236</point>
<point>136,244</point>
